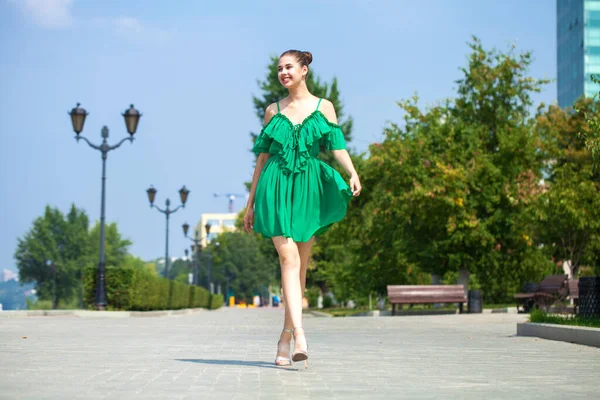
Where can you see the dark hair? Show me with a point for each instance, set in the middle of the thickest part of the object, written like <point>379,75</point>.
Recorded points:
<point>303,57</point>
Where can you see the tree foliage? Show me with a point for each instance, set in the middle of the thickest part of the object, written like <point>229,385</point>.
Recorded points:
<point>240,259</point>
<point>479,182</point>
<point>58,247</point>
<point>567,216</point>
<point>448,188</point>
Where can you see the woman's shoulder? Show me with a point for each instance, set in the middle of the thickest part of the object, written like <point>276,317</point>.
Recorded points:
<point>270,112</point>
<point>328,110</point>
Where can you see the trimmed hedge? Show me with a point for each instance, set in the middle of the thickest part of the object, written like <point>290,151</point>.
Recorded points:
<point>137,289</point>
<point>199,297</point>
<point>216,301</point>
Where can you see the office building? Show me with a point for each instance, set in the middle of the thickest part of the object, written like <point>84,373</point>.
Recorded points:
<point>218,223</point>
<point>578,49</point>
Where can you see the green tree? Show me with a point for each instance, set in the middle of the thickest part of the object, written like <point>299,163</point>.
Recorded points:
<point>70,245</point>
<point>591,135</point>
<point>567,215</point>
<point>449,186</point>
<point>239,258</point>
<point>179,270</point>
<point>64,241</point>
<point>116,248</point>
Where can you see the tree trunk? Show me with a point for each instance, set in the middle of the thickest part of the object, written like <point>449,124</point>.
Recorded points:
<point>463,278</point>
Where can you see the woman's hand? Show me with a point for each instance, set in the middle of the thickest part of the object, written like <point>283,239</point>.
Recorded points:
<point>355,185</point>
<point>249,219</point>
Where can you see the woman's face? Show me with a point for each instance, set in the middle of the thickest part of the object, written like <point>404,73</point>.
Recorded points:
<point>290,72</point>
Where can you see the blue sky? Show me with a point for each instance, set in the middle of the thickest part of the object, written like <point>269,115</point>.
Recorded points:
<point>191,68</point>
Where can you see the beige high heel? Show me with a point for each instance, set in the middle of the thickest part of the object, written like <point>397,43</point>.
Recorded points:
<point>300,355</point>
<point>283,361</point>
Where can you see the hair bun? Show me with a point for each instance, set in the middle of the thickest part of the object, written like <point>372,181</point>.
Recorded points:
<point>308,56</point>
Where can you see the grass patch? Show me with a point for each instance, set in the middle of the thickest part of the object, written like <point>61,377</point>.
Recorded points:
<point>574,320</point>
<point>345,312</point>
<point>342,312</point>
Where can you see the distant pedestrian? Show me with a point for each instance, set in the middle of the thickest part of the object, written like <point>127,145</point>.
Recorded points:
<point>295,196</point>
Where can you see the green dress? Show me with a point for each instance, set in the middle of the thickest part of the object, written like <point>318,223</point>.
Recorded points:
<point>298,195</point>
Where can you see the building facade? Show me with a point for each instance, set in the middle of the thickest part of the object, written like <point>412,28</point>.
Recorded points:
<point>218,223</point>
<point>578,49</point>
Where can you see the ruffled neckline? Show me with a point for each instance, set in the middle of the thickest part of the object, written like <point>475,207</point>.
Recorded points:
<point>304,121</point>
<point>296,141</point>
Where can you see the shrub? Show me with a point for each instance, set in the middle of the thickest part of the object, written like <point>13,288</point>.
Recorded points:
<point>199,297</point>
<point>312,294</point>
<point>216,301</point>
<point>131,288</point>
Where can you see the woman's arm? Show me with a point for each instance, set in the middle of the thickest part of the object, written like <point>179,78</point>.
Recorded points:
<point>260,163</point>
<point>342,156</point>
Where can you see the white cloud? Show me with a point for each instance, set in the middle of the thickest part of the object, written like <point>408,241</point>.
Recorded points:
<point>48,13</point>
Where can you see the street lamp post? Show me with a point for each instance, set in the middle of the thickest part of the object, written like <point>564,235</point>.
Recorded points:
<point>132,118</point>
<point>208,260</point>
<point>196,251</point>
<point>195,247</point>
<point>183,194</point>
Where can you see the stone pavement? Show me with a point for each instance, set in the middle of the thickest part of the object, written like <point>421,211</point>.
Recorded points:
<point>228,354</point>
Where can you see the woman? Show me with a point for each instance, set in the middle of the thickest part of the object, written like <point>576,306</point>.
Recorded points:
<point>295,196</point>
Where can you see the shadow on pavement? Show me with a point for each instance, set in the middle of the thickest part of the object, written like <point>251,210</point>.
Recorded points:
<point>243,363</point>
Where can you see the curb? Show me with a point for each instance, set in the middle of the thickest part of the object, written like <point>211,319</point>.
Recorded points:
<point>388,313</point>
<point>563,333</point>
<point>320,314</point>
<point>507,310</point>
<point>98,314</point>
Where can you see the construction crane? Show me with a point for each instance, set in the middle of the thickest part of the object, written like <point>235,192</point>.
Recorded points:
<point>231,197</point>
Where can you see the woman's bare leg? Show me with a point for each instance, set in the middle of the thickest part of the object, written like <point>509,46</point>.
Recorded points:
<point>289,259</point>
<point>304,249</point>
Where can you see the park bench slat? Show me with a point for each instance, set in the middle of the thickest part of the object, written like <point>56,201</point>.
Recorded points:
<point>425,294</point>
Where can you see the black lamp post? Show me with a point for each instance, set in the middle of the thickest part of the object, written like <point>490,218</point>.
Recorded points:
<point>183,195</point>
<point>195,247</point>
<point>132,118</point>
<point>196,251</point>
<point>209,272</point>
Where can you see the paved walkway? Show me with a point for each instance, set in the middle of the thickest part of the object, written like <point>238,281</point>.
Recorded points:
<point>228,354</point>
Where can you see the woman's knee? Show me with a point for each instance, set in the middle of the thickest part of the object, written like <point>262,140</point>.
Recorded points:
<point>289,261</point>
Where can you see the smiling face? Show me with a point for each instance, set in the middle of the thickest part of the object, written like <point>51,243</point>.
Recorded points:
<point>290,72</point>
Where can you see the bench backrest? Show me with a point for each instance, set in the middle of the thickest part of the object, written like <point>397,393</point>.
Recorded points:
<point>531,287</point>
<point>553,283</point>
<point>574,288</point>
<point>426,294</point>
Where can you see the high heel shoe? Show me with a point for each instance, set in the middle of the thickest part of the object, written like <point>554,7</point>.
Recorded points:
<point>284,361</point>
<point>300,355</point>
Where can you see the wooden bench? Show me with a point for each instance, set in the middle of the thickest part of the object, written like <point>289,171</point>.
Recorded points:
<point>551,289</point>
<point>426,294</point>
<point>525,298</point>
